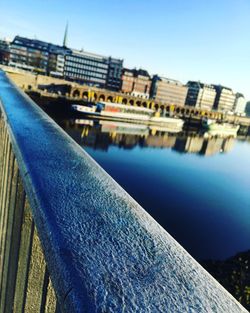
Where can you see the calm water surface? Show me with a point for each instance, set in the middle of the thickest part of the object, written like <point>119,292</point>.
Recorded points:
<point>198,189</point>
<point>201,202</point>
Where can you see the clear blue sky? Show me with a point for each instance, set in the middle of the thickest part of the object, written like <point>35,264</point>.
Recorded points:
<point>186,40</point>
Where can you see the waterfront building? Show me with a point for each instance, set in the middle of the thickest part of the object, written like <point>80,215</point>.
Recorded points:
<point>37,56</point>
<point>59,61</point>
<point>4,51</point>
<point>168,91</point>
<point>29,54</point>
<point>239,104</point>
<point>224,100</point>
<point>114,77</point>
<point>247,110</point>
<point>93,69</point>
<point>56,60</point>
<point>86,67</point>
<point>136,83</point>
<point>200,95</point>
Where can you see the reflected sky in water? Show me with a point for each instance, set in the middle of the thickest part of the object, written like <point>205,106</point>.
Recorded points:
<point>197,188</point>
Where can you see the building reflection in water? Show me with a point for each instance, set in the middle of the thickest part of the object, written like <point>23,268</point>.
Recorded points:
<point>233,273</point>
<point>103,134</point>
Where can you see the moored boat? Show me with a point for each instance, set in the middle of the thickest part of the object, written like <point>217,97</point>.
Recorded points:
<point>84,109</point>
<point>127,113</point>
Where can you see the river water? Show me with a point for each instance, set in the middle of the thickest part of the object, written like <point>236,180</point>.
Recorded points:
<point>197,188</point>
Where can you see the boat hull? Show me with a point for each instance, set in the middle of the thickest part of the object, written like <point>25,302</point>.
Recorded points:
<point>172,123</point>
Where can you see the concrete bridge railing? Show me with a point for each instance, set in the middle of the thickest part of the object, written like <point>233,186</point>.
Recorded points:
<point>72,240</point>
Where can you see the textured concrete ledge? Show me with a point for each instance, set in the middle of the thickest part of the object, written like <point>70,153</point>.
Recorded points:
<point>103,251</point>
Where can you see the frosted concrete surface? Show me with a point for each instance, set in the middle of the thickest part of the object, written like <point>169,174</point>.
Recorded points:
<point>103,251</point>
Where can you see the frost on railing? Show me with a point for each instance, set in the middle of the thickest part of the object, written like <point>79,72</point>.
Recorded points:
<point>24,281</point>
<point>65,222</point>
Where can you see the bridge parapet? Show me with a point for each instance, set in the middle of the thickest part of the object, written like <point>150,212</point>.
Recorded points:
<point>66,223</point>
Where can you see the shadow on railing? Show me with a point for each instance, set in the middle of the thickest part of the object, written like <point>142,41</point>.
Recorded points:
<point>63,217</point>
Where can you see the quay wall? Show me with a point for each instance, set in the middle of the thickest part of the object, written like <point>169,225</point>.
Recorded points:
<point>30,83</point>
<point>66,223</point>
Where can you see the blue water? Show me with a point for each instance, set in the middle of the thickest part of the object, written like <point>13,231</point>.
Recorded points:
<point>202,201</point>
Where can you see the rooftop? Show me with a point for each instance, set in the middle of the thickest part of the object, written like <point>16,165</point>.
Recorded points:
<point>136,72</point>
<point>168,80</point>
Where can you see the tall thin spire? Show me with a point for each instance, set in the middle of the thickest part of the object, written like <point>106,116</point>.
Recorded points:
<point>65,36</point>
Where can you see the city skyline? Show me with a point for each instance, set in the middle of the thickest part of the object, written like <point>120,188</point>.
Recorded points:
<point>219,56</point>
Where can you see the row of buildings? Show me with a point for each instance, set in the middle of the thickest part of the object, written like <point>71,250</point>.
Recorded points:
<point>107,72</point>
<point>59,61</point>
<point>194,93</point>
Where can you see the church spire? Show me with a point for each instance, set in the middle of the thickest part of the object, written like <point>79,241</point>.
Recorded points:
<point>65,36</point>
